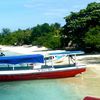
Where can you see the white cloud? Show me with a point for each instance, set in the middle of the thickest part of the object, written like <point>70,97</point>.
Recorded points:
<point>56,12</point>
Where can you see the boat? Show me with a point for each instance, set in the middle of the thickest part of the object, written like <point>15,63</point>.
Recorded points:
<point>91,98</point>
<point>37,66</point>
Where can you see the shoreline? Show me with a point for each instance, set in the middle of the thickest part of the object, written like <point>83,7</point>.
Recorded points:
<point>25,49</point>
<point>22,49</point>
<point>91,60</point>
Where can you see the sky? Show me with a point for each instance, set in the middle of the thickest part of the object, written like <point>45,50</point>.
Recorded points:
<point>23,14</point>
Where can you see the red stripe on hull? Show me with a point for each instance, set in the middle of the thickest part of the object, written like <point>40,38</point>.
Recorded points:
<point>45,75</point>
<point>91,98</point>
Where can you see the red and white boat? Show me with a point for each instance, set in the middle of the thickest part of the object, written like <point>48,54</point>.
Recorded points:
<point>91,98</point>
<point>29,67</point>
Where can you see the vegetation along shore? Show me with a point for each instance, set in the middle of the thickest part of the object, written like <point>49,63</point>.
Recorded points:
<point>81,31</point>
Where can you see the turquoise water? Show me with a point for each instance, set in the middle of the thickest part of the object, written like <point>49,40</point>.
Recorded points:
<point>37,90</point>
<point>48,89</point>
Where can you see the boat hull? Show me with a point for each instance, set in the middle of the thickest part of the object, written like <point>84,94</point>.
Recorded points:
<point>91,98</point>
<point>42,75</point>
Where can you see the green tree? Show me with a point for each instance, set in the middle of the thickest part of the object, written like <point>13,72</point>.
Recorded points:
<point>5,31</point>
<point>92,38</point>
<point>49,40</point>
<point>79,23</point>
<point>21,37</point>
<point>40,30</point>
<point>47,35</point>
<point>18,37</point>
<point>43,35</point>
<point>4,36</point>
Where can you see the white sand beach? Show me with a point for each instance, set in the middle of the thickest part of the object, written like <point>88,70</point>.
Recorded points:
<point>22,49</point>
<point>91,60</point>
<point>27,49</point>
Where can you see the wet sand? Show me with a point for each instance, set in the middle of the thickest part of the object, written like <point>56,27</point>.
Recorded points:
<point>88,83</point>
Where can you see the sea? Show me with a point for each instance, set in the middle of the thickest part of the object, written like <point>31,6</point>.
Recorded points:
<point>75,88</point>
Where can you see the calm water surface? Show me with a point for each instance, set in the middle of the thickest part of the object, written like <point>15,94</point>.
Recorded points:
<point>37,90</point>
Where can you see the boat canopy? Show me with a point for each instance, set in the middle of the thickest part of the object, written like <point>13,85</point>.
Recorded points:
<point>35,58</point>
<point>67,53</point>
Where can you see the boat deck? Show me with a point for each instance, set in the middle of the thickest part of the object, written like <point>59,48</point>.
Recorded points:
<point>6,68</point>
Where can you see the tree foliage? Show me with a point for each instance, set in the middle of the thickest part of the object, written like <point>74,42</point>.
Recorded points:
<point>18,37</point>
<point>78,24</point>
<point>92,38</point>
<point>43,35</point>
<point>46,35</point>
